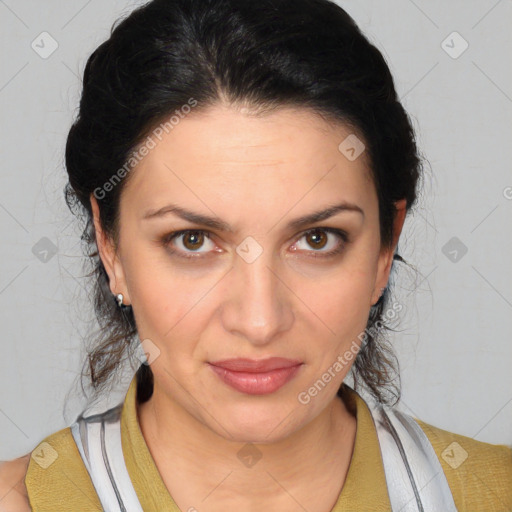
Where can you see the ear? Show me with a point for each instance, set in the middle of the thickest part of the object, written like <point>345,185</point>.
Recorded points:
<point>386,255</point>
<point>109,256</point>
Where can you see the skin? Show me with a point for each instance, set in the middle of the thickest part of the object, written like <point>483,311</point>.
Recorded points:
<point>13,493</point>
<point>257,174</point>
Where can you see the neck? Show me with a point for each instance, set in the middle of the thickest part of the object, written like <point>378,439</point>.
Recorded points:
<point>312,460</point>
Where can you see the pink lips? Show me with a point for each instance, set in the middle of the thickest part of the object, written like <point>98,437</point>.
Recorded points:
<point>256,377</point>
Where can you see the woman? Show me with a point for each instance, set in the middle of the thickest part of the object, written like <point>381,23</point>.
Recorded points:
<point>245,170</point>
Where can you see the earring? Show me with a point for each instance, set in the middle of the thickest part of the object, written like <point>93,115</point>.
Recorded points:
<point>119,298</point>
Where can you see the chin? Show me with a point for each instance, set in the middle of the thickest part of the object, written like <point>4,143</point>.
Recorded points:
<point>261,426</point>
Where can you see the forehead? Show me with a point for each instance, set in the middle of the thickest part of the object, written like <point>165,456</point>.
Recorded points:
<point>226,154</point>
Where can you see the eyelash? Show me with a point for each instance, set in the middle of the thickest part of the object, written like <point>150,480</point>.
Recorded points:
<point>168,238</point>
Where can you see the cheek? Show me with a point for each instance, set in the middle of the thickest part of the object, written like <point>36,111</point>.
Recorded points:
<point>163,309</point>
<point>172,309</point>
<point>160,297</point>
<point>345,308</point>
<point>343,303</point>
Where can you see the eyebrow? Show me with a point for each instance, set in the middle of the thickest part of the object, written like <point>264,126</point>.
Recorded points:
<point>220,225</point>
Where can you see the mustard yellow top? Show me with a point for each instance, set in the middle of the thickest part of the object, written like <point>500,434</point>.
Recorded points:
<point>479,474</point>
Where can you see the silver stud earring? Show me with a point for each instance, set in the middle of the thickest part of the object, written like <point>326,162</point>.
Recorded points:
<point>119,298</point>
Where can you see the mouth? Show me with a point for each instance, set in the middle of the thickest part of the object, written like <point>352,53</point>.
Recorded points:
<point>256,377</point>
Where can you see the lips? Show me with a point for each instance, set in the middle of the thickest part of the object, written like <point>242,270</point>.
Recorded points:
<point>256,377</point>
<point>256,366</point>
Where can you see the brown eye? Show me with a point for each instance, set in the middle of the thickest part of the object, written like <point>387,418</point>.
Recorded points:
<point>317,239</point>
<point>187,243</point>
<point>193,240</point>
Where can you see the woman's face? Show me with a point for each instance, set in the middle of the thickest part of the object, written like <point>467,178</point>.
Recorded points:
<point>255,285</point>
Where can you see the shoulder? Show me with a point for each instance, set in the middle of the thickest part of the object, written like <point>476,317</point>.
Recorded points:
<point>479,474</point>
<point>56,477</point>
<point>13,493</point>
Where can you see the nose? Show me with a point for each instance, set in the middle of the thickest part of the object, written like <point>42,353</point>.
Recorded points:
<point>258,304</point>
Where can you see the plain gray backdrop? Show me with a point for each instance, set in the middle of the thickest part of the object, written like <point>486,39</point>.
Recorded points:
<point>450,61</point>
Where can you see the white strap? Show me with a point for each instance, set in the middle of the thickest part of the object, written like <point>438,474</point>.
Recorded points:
<point>98,439</point>
<point>415,478</point>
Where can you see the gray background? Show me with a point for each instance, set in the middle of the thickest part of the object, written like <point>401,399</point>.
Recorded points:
<point>455,343</point>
